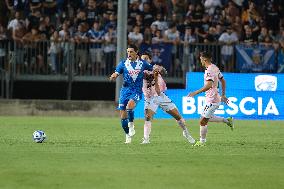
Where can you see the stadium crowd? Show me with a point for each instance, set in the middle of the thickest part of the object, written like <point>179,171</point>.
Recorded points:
<point>91,26</point>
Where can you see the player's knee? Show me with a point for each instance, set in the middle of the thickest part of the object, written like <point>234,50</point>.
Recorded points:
<point>148,117</point>
<point>203,121</point>
<point>130,105</point>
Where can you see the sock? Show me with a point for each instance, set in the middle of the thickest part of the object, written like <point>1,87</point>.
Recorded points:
<point>218,119</point>
<point>130,114</point>
<point>147,129</point>
<point>181,123</point>
<point>124,125</point>
<point>203,132</point>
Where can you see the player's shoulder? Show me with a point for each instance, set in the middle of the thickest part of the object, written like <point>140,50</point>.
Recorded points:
<point>123,60</point>
<point>144,61</point>
<point>212,68</point>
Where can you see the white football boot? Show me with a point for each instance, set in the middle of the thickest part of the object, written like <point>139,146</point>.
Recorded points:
<point>131,129</point>
<point>145,140</point>
<point>188,137</point>
<point>127,139</point>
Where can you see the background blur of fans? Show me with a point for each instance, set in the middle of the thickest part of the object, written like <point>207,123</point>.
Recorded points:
<point>39,35</point>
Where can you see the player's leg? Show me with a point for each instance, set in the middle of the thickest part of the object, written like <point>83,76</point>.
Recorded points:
<point>147,125</point>
<point>124,125</point>
<point>203,131</point>
<point>181,122</point>
<point>150,108</point>
<point>123,100</point>
<point>229,121</point>
<point>130,114</point>
<point>208,112</point>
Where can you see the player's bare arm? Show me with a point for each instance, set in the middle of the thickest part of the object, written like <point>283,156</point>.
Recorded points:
<point>113,76</point>
<point>206,87</point>
<point>223,96</point>
<point>157,87</point>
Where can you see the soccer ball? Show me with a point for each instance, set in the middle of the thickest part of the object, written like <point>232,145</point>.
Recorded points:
<point>39,136</point>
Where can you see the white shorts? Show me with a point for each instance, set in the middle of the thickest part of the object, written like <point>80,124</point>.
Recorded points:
<point>209,109</point>
<point>162,101</point>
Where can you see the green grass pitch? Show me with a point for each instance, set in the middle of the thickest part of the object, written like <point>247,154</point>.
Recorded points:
<point>87,153</point>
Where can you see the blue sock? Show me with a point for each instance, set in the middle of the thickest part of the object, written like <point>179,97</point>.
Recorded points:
<point>130,114</point>
<point>124,125</point>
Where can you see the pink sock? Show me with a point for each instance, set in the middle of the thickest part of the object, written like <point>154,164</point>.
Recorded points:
<point>203,132</point>
<point>218,119</point>
<point>147,129</point>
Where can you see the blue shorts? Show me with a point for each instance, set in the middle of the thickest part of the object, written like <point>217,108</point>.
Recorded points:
<point>127,94</point>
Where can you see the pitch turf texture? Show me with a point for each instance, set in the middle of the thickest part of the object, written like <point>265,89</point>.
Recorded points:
<point>89,153</point>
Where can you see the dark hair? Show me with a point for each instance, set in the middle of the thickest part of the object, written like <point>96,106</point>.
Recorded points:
<point>147,53</point>
<point>133,47</point>
<point>206,55</point>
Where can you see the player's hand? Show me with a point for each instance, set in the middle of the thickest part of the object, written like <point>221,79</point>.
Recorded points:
<point>191,94</point>
<point>113,77</point>
<point>156,73</point>
<point>224,99</point>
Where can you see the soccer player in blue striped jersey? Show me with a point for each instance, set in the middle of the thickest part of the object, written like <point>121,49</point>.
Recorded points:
<point>132,70</point>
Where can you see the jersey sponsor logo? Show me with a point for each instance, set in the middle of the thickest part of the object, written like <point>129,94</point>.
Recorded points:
<point>133,72</point>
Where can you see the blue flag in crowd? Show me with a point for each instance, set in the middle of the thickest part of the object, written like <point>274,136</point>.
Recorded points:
<point>161,53</point>
<point>255,59</point>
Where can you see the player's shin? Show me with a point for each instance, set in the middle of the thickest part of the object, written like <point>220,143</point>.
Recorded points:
<point>124,125</point>
<point>147,129</point>
<point>218,119</point>
<point>182,125</point>
<point>130,114</point>
<point>203,133</point>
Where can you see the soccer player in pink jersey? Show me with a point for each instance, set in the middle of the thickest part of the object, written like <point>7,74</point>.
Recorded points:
<point>211,77</point>
<point>154,88</point>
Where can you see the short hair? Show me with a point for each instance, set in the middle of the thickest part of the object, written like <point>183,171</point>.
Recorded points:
<point>147,53</point>
<point>133,47</point>
<point>206,55</point>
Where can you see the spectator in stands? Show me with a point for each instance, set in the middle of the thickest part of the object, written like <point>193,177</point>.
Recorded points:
<point>197,15</point>
<point>232,10</point>
<point>93,12</point>
<point>110,39</point>
<point>160,6</point>
<point>3,47</point>
<point>188,39</point>
<point>135,37</point>
<point>32,39</point>
<point>67,50</point>
<point>158,37</point>
<point>228,39</point>
<point>147,36</point>
<point>54,51</point>
<point>210,6</point>
<point>81,17</point>
<point>248,37</point>
<point>147,14</point>
<point>111,22</point>
<point>81,41</point>
<point>272,15</point>
<point>178,8</point>
<point>35,5</point>
<point>49,8</point>
<point>18,47</point>
<point>96,51</point>
<point>172,36</point>
<point>264,38</point>
<point>16,22</point>
<point>160,23</point>
<point>133,10</point>
<point>33,20</point>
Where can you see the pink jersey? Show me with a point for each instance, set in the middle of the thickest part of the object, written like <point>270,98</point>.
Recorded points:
<point>149,85</point>
<point>212,73</point>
